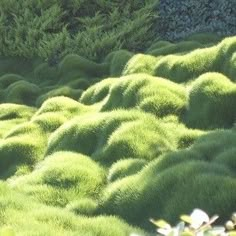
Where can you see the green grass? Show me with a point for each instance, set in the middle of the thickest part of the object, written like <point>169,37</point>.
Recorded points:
<point>99,147</point>
<point>118,60</point>
<point>54,182</point>
<point>124,168</point>
<point>13,114</point>
<point>25,216</point>
<point>157,96</point>
<point>111,136</point>
<point>23,144</point>
<point>211,102</point>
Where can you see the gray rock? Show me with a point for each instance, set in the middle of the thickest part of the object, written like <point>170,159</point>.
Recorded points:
<point>180,18</point>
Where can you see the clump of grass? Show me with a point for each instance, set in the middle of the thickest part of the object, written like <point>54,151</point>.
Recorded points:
<point>24,144</point>
<point>144,92</point>
<point>124,168</point>
<point>65,91</point>
<point>118,60</point>
<point>84,206</point>
<point>22,92</point>
<point>108,137</point>
<point>12,115</point>
<point>182,68</point>
<point>211,102</point>
<point>62,178</point>
<point>21,214</point>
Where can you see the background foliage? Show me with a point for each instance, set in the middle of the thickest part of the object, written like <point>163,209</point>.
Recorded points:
<point>91,28</point>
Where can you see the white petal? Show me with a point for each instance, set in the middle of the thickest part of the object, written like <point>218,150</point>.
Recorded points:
<point>199,217</point>
<point>164,231</point>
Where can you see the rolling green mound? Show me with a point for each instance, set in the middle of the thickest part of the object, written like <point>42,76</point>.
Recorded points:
<point>97,148</point>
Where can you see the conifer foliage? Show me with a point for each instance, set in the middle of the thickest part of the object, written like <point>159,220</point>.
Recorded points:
<point>90,28</point>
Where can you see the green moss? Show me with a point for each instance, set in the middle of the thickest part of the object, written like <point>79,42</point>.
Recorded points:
<point>15,111</point>
<point>120,147</point>
<point>158,45</point>
<point>215,143</point>
<point>182,68</point>
<point>7,125</point>
<point>108,137</point>
<point>84,206</point>
<point>126,142</point>
<point>11,115</point>
<point>56,111</point>
<point>25,216</point>
<point>227,157</point>
<point>125,168</point>
<point>17,65</point>
<point>118,62</point>
<point>140,63</point>
<point>25,144</point>
<point>61,104</point>
<point>50,121</point>
<point>82,84</point>
<point>74,66</point>
<point>150,94</point>
<point>212,196</point>
<point>206,148</point>
<point>60,91</point>
<point>188,137</point>
<point>141,91</point>
<point>86,132</point>
<point>229,67</point>
<point>181,47</point>
<point>44,72</point>
<point>8,79</point>
<point>62,178</point>
<point>205,38</point>
<point>150,189</point>
<point>22,92</point>
<point>97,92</point>
<point>200,176</point>
<point>211,102</point>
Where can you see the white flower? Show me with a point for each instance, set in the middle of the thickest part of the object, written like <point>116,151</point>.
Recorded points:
<point>198,217</point>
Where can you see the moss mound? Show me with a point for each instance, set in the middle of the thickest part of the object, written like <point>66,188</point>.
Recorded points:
<point>61,91</point>
<point>8,79</point>
<point>22,92</point>
<point>15,111</point>
<point>147,93</point>
<point>211,102</point>
<point>45,72</point>
<point>74,66</point>
<point>181,68</point>
<point>195,181</point>
<point>62,178</point>
<point>91,148</point>
<point>124,168</point>
<point>61,104</point>
<point>13,114</point>
<point>165,48</point>
<point>23,215</point>
<point>108,137</point>
<point>118,61</point>
<point>55,111</point>
<point>24,144</point>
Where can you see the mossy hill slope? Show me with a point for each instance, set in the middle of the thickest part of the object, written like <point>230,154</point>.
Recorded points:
<point>98,148</point>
